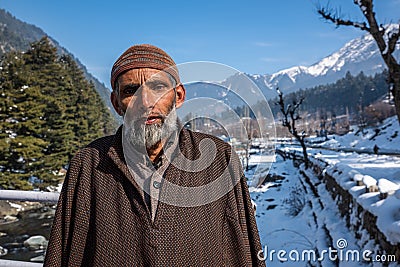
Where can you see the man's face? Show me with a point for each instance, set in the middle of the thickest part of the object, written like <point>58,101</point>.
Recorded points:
<point>150,97</point>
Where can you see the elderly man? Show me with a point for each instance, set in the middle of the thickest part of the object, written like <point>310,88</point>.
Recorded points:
<point>150,195</point>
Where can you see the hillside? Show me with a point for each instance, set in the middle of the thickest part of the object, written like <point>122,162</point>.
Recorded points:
<point>16,35</point>
<point>48,111</point>
<point>348,94</point>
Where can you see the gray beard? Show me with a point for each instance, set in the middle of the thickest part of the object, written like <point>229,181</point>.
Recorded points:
<point>150,135</point>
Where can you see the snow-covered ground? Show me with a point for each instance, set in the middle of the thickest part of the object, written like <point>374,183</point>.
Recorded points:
<point>386,136</point>
<point>292,218</point>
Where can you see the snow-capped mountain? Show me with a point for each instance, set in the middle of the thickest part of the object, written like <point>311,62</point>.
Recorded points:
<point>360,54</point>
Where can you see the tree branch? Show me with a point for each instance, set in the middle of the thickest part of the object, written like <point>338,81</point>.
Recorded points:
<point>393,39</point>
<point>328,15</point>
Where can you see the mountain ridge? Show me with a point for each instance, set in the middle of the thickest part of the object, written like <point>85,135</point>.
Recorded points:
<point>17,35</point>
<point>359,54</point>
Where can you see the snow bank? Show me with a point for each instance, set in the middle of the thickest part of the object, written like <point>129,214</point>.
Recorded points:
<point>369,181</point>
<point>387,212</point>
<point>387,187</point>
<point>358,177</point>
<point>394,230</point>
<point>387,139</point>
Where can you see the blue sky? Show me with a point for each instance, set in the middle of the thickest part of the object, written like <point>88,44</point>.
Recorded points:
<point>257,37</point>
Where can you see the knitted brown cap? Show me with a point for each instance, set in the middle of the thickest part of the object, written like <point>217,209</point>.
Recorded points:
<point>144,56</point>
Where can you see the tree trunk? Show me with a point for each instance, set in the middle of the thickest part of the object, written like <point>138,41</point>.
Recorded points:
<point>396,90</point>
<point>386,41</point>
<point>305,155</point>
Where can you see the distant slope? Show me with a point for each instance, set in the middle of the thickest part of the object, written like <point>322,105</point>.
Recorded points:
<point>16,35</point>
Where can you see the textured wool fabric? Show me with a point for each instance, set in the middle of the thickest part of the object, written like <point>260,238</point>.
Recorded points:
<point>102,219</point>
<point>144,56</point>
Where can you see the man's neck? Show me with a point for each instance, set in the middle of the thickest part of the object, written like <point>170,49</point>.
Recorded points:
<point>155,151</point>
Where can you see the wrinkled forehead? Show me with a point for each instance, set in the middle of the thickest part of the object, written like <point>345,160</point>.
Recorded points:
<point>142,75</point>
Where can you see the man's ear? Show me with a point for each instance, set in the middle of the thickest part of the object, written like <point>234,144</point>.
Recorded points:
<point>115,103</point>
<point>180,94</point>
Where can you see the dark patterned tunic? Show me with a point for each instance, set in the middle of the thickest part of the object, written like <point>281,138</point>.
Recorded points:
<point>102,218</point>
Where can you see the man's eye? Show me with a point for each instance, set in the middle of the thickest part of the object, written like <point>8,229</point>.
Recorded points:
<point>130,91</point>
<point>159,87</point>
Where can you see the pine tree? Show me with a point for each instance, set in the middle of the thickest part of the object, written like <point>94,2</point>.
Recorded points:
<point>48,111</point>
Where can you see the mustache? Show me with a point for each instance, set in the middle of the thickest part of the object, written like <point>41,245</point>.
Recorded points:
<point>147,115</point>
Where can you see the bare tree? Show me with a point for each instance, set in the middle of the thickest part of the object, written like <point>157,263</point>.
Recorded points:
<point>386,37</point>
<point>290,116</point>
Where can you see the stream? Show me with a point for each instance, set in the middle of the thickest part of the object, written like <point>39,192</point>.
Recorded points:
<point>30,223</point>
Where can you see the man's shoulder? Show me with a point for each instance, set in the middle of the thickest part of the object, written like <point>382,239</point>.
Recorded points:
<point>197,137</point>
<point>102,142</point>
<point>100,145</point>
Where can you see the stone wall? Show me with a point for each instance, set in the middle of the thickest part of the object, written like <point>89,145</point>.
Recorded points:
<point>357,218</point>
<point>365,220</point>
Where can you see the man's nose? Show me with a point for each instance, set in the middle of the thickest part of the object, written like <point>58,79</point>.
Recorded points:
<point>147,98</point>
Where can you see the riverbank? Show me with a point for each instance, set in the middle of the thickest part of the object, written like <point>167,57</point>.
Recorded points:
<point>25,229</point>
